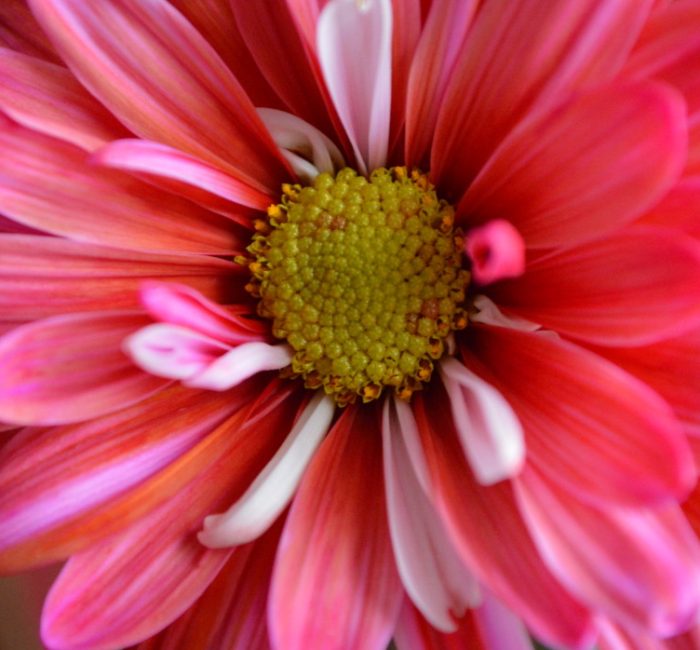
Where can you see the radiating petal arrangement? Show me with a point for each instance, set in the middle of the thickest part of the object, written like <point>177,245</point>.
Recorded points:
<point>336,324</point>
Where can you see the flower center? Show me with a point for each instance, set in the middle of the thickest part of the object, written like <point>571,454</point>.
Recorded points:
<point>363,278</point>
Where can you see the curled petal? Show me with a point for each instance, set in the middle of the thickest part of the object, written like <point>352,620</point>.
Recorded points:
<point>496,250</point>
<point>274,487</point>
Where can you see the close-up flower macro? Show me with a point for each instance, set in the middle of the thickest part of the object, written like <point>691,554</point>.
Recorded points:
<point>352,324</point>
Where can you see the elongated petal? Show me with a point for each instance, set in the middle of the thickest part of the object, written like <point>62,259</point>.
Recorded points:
<point>360,86</point>
<point>274,488</point>
<point>520,57</point>
<point>152,158</point>
<point>633,288</point>
<point>180,304</point>
<point>51,477</point>
<point>20,32</point>
<point>603,158</point>
<point>193,482</point>
<point>639,566</point>
<point>676,209</point>
<point>46,276</point>
<point>488,428</point>
<point>47,97</point>
<point>413,632</point>
<point>70,368</point>
<point>581,411</point>
<point>335,555</point>
<point>431,571</point>
<point>152,69</point>
<point>479,519</point>
<point>440,42</point>
<point>231,612</point>
<point>132,214</point>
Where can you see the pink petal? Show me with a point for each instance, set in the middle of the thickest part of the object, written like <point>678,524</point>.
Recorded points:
<point>359,85</point>
<point>480,518</point>
<point>33,191</point>
<point>152,158</point>
<point>20,32</point>
<point>581,411</point>
<point>70,368</point>
<point>496,251</point>
<point>180,304</point>
<point>152,69</point>
<point>594,164</point>
<point>440,41</point>
<point>295,136</point>
<point>46,276</point>
<point>173,351</point>
<point>640,566</point>
<point>239,364</point>
<point>633,288</point>
<point>488,429</point>
<point>499,627</point>
<point>520,57</point>
<point>286,60</point>
<point>334,585</point>
<point>47,97</point>
<point>274,487</point>
<point>51,478</point>
<point>432,573</point>
<point>677,208</point>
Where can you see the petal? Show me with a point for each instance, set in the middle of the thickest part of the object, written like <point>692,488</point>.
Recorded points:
<point>496,251</point>
<point>432,573</point>
<point>47,97</point>
<point>413,632</point>
<point>580,411</point>
<point>243,361</point>
<point>70,368</point>
<point>359,85</point>
<point>440,41</point>
<point>520,57</point>
<point>231,612</point>
<point>678,208</point>
<point>334,584</point>
<point>33,191</point>
<point>633,288</point>
<point>292,134</point>
<point>152,69</point>
<point>50,478</point>
<point>194,482</point>
<point>274,487</point>
<point>152,158</point>
<point>490,536</point>
<point>46,276</point>
<point>180,304</point>
<point>592,165</point>
<point>20,32</point>
<point>286,60</point>
<point>490,432</point>
<point>639,566</point>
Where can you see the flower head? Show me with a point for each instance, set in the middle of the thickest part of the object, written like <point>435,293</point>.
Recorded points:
<point>327,323</point>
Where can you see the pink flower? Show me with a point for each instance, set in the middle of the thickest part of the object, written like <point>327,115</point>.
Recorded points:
<point>252,395</point>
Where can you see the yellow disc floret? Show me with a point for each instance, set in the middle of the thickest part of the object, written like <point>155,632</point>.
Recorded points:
<point>363,278</point>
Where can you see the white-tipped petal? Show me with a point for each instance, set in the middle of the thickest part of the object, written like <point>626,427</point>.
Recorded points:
<point>307,150</point>
<point>434,577</point>
<point>489,314</point>
<point>240,363</point>
<point>172,351</point>
<point>274,487</point>
<point>353,41</point>
<point>488,428</point>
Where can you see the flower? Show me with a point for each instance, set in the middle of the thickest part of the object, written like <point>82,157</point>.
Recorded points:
<point>248,385</point>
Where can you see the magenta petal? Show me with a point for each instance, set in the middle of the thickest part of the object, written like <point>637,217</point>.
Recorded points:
<point>640,566</point>
<point>70,368</point>
<point>496,251</point>
<point>335,585</point>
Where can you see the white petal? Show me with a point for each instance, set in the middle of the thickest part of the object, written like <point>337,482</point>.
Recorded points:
<point>309,151</point>
<point>437,582</point>
<point>240,363</point>
<point>274,487</point>
<point>489,430</point>
<point>489,314</point>
<point>354,50</point>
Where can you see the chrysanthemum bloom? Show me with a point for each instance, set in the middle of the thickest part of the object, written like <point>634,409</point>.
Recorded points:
<point>327,323</point>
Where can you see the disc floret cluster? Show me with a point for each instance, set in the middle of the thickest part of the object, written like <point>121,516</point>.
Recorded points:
<point>363,278</point>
